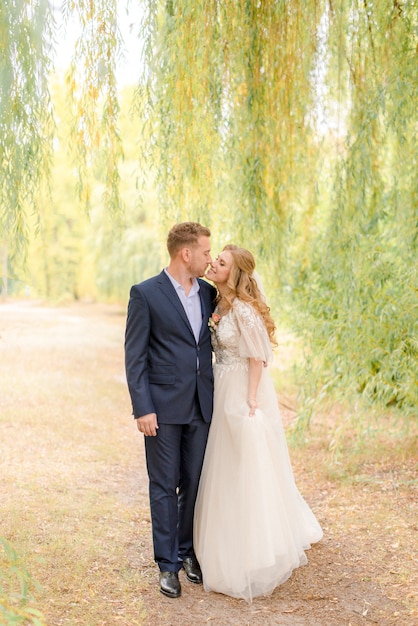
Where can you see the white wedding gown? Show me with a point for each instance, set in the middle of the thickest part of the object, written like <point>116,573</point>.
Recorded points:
<point>251,523</point>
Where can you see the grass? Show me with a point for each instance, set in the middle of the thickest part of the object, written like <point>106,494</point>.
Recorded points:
<point>16,590</point>
<point>367,461</point>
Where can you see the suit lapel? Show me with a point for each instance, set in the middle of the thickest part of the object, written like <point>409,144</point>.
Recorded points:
<point>203,308</point>
<point>173,298</point>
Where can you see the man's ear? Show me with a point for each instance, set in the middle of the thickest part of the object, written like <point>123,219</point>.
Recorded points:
<point>185,254</point>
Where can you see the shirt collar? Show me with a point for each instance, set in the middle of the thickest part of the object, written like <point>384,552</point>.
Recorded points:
<point>195,284</point>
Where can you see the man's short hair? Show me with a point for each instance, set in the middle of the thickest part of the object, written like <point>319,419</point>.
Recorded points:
<point>184,235</point>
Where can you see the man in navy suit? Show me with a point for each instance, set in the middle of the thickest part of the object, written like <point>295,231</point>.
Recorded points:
<point>168,358</point>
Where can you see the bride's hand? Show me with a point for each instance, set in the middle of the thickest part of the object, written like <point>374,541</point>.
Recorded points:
<point>253,405</point>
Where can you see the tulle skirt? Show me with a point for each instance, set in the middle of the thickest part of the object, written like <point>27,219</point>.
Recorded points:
<point>252,525</point>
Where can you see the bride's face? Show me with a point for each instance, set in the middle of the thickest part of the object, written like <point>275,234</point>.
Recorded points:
<point>220,268</point>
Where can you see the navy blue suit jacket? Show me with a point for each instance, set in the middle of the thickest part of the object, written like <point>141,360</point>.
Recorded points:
<point>161,353</point>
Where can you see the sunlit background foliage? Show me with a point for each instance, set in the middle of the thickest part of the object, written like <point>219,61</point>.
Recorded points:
<point>288,127</point>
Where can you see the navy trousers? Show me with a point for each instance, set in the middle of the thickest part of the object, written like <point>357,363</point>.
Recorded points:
<point>174,462</point>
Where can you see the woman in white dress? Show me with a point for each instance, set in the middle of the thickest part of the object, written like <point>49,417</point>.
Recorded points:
<point>251,525</point>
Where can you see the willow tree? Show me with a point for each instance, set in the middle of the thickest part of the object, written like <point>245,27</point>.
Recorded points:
<point>29,37</point>
<point>364,302</point>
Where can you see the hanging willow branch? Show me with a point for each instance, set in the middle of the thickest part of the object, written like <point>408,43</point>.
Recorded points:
<point>364,302</point>
<point>25,112</point>
<point>93,89</point>
<point>229,90</point>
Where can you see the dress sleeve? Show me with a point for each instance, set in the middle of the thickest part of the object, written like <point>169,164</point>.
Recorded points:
<point>254,342</point>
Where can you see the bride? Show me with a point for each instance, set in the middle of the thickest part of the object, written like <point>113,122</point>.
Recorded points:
<point>251,525</point>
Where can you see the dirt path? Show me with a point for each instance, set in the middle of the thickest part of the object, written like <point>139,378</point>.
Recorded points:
<point>75,502</point>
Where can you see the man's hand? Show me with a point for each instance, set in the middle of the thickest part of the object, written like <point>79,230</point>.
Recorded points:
<point>147,424</point>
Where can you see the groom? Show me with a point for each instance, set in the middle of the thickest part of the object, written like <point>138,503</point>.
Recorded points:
<point>168,359</point>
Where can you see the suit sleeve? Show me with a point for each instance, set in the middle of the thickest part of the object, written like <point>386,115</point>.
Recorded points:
<point>138,327</point>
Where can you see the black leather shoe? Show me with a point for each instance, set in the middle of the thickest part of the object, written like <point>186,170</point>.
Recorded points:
<point>170,584</point>
<point>192,569</point>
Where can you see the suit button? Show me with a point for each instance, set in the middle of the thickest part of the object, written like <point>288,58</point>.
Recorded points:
<point>198,372</point>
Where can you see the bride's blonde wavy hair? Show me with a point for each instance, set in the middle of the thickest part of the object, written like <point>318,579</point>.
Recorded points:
<point>242,284</point>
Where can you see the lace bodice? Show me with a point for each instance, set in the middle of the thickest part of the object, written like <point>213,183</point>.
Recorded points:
<point>240,335</point>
